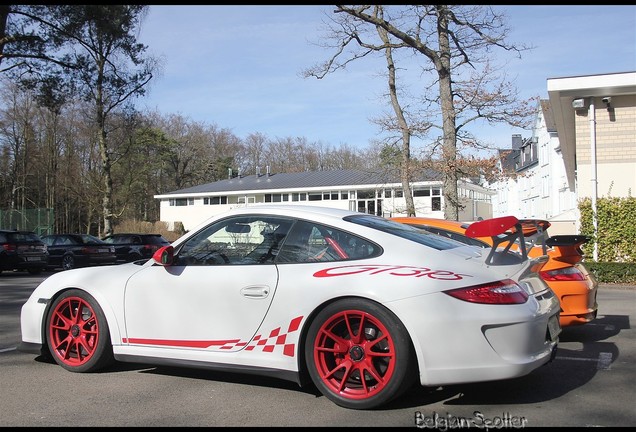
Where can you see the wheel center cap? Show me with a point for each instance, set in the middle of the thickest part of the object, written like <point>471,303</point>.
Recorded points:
<point>75,331</point>
<point>356,353</point>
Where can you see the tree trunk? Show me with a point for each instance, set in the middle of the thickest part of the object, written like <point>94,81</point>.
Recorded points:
<point>449,139</point>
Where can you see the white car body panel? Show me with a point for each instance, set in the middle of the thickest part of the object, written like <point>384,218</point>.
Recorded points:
<point>255,315</point>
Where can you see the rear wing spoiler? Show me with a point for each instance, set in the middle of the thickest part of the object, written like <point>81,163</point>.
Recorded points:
<point>504,231</point>
<point>568,247</point>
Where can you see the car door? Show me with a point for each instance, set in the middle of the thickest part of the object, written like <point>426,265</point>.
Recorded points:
<point>216,294</point>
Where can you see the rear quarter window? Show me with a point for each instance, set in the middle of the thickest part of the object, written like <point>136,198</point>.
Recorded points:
<point>405,231</point>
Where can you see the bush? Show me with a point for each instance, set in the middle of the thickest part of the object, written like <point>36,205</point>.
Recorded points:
<point>616,226</point>
<point>612,272</point>
<point>144,227</point>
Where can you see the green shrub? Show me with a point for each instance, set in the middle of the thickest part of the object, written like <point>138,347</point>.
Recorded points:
<point>616,224</point>
<point>612,272</point>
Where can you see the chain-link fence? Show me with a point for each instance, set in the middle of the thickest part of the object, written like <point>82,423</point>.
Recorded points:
<point>38,220</point>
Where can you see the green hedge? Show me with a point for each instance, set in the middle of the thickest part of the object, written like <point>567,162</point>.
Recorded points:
<point>616,239</point>
<point>612,272</point>
<point>616,219</point>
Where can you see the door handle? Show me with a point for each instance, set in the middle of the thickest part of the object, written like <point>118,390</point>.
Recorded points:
<point>257,291</point>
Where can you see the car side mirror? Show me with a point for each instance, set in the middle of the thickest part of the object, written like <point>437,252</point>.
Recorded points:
<point>164,255</point>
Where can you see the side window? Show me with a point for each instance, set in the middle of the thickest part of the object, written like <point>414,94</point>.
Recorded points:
<point>240,240</point>
<point>310,242</point>
<point>456,236</point>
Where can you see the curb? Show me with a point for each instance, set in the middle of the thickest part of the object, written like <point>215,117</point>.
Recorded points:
<point>617,286</point>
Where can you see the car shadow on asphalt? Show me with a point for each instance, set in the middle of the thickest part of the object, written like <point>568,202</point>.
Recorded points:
<point>571,369</point>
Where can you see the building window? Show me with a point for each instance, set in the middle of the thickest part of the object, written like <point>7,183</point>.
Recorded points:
<point>315,196</point>
<point>179,202</point>
<point>422,192</point>
<point>436,203</point>
<point>216,200</point>
<point>387,193</point>
<point>276,198</point>
<point>399,193</point>
<point>302,196</point>
<point>366,194</point>
<point>344,195</point>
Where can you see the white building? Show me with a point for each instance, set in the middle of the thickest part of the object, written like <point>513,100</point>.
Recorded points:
<point>541,189</point>
<point>585,138</point>
<point>362,191</point>
<point>583,145</point>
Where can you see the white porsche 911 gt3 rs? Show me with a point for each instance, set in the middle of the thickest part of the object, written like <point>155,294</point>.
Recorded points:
<point>361,306</point>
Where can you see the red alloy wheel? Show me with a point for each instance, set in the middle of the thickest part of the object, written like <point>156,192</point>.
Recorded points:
<point>73,331</point>
<point>354,354</point>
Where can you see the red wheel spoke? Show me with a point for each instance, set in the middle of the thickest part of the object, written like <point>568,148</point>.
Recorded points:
<point>363,380</point>
<point>370,368</point>
<point>340,343</point>
<point>345,377</point>
<point>59,346</point>
<point>355,336</point>
<point>61,322</point>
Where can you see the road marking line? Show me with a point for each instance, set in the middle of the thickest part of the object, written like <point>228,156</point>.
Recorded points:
<point>604,360</point>
<point>7,350</point>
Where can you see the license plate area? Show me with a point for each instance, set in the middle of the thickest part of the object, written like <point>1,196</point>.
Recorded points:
<point>554,327</point>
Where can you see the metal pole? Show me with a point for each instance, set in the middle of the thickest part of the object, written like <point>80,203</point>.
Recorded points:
<point>592,116</point>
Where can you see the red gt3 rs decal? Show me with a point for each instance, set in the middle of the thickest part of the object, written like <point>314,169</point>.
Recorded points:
<point>265,343</point>
<point>394,270</point>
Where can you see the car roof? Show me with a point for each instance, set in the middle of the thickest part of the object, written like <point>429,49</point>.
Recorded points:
<point>456,226</point>
<point>294,208</point>
<point>131,234</point>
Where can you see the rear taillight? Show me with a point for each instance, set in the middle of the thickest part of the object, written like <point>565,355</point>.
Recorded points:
<point>500,292</point>
<point>9,247</point>
<point>563,274</point>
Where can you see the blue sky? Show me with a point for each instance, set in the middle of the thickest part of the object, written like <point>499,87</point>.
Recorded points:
<point>238,67</point>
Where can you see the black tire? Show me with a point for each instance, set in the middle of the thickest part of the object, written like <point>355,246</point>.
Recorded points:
<point>68,262</point>
<point>79,342</point>
<point>337,357</point>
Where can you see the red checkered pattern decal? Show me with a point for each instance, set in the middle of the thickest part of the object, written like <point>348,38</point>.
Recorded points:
<point>268,343</point>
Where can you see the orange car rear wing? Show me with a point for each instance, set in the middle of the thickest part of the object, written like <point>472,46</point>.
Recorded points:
<point>567,247</point>
<point>506,230</point>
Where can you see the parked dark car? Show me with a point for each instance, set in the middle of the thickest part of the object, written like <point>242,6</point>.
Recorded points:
<point>22,250</point>
<point>133,247</point>
<point>68,251</point>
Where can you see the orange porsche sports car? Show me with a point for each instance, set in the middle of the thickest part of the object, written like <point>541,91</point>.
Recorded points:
<point>564,273</point>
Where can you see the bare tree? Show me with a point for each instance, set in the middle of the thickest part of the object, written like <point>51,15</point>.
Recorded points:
<point>455,43</point>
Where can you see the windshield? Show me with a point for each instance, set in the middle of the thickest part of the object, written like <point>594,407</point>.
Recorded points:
<point>405,231</point>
